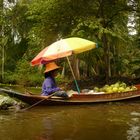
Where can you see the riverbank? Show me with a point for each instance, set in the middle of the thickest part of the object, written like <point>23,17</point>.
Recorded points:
<point>8,103</point>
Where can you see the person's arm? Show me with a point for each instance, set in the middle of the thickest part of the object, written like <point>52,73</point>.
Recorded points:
<point>48,87</point>
<point>50,90</point>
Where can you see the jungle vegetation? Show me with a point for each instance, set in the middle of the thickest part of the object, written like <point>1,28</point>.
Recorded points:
<point>28,26</point>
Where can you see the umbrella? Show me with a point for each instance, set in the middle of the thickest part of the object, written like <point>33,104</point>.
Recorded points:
<point>63,48</point>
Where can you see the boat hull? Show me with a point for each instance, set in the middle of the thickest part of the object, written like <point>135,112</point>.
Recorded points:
<point>75,99</point>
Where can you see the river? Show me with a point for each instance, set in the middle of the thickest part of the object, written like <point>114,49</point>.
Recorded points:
<point>111,121</point>
<point>116,121</point>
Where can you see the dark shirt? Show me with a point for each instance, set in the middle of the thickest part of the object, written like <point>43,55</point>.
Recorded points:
<point>49,86</point>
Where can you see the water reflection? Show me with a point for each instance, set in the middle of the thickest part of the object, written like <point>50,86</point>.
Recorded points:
<point>134,131</point>
<point>61,124</point>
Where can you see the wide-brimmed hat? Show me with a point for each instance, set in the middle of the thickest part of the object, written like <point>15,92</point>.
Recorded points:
<point>51,66</point>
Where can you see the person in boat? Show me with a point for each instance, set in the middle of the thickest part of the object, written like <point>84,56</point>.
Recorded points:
<point>49,85</point>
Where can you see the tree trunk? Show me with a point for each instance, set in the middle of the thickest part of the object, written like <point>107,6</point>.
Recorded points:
<point>3,43</point>
<point>75,66</point>
<point>106,57</point>
<point>105,44</point>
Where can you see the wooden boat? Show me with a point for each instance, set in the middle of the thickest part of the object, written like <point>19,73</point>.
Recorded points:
<point>75,99</point>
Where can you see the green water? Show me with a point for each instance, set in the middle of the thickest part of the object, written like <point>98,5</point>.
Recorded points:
<point>113,121</point>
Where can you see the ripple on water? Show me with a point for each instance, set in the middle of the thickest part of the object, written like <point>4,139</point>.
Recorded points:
<point>133,133</point>
<point>134,113</point>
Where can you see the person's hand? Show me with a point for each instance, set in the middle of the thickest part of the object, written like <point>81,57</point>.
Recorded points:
<point>62,88</point>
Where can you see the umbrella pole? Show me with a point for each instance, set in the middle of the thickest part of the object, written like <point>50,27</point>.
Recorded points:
<point>73,75</point>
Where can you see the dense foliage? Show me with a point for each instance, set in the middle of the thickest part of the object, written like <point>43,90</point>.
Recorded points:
<point>29,26</point>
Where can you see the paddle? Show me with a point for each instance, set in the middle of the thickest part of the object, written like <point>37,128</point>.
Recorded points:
<point>28,92</point>
<point>46,98</point>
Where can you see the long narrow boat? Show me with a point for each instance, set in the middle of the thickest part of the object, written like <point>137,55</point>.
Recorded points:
<point>75,99</point>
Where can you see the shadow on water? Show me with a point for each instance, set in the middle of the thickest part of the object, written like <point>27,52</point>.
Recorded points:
<point>115,121</point>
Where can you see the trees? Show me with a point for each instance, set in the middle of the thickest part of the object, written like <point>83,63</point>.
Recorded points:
<point>108,26</point>
<point>30,26</point>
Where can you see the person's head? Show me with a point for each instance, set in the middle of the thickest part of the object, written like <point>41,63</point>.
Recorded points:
<point>51,69</point>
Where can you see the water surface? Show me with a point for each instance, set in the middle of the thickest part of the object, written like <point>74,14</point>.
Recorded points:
<point>115,121</point>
